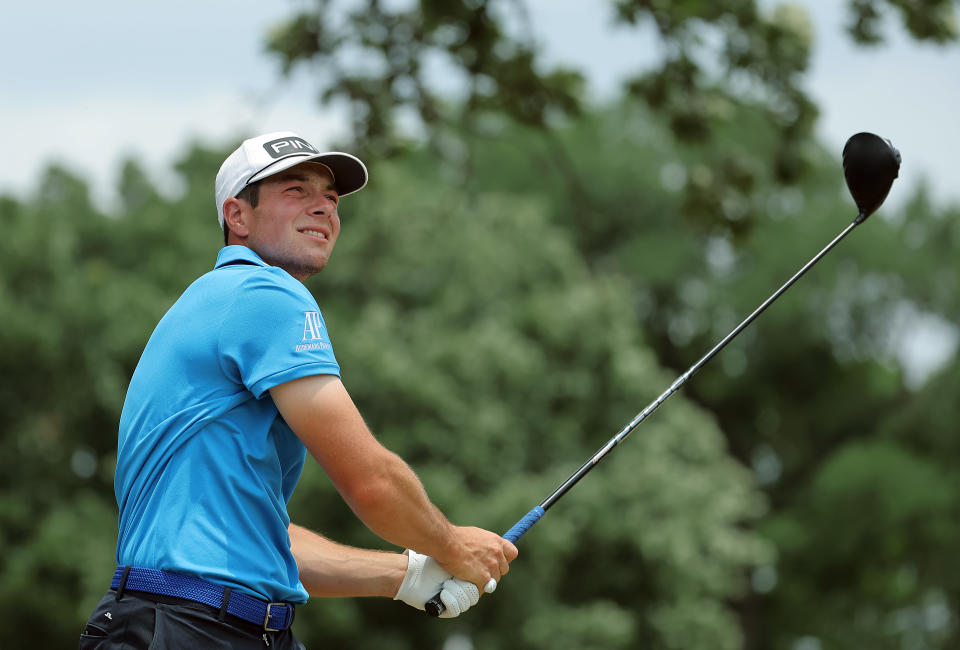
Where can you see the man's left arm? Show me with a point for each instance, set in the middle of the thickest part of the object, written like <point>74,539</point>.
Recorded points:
<point>334,570</point>
<point>329,569</point>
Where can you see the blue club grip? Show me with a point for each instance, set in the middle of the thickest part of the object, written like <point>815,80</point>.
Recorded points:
<point>524,524</point>
<point>434,607</point>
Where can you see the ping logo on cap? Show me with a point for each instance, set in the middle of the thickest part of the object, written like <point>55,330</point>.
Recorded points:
<point>286,146</point>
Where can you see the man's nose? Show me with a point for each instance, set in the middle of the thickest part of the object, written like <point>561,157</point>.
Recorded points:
<point>322,207</point>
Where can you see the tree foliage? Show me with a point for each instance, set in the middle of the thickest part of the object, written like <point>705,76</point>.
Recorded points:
<point>477,355</point>
<point>467,328</point>
<point>814,396</point>
<point>496,345</point>
<point>444,64</point>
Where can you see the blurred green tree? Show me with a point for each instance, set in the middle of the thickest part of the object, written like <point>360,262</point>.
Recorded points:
<point>444,66</point>
<point>701,214</point>
<point>484,351</point>
<point>477,342</point>
<point>82,291</point>
<point>489,349</point>
<point>815,386</point>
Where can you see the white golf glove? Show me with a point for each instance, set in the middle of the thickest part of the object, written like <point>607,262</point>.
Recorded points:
<point>425,577</point>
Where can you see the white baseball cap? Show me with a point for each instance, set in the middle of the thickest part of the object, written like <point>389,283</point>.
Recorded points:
<point>271,153</point>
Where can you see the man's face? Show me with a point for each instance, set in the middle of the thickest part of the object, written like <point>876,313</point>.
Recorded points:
<point>295,224</point>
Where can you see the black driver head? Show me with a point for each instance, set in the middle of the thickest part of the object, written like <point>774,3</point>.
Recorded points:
<point>870,163</point>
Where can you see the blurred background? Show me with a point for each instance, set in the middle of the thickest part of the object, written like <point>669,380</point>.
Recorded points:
<point>569,204</point>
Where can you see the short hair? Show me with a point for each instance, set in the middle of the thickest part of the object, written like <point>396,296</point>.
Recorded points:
<point>251,194</point>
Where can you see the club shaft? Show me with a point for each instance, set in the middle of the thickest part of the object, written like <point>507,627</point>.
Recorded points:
<point>681,380</point>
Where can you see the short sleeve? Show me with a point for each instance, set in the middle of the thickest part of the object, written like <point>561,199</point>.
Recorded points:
<point>273,333</point>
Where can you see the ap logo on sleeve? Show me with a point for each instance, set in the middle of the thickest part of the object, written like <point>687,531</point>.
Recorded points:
<point>313,333</point>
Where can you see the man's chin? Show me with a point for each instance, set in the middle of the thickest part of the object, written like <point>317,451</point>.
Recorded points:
<point>303,271</point>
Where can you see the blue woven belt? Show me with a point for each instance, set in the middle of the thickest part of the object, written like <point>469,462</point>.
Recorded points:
<point>273,617</point>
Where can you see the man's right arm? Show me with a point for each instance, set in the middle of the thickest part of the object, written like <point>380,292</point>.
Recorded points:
<point>379,486</point>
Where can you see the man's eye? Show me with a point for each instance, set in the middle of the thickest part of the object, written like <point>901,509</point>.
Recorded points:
<point>295,187</point>
<point>332,197</point>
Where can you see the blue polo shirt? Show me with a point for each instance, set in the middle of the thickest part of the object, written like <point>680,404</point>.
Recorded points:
<point>205,463</point>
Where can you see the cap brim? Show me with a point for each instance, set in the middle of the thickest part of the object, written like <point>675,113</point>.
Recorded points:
<point>349,172</point>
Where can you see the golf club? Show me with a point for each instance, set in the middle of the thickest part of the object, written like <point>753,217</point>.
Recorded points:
<point>870,165</point>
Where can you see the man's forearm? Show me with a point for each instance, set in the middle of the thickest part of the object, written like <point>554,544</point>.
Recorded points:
<point>329,569</point>
<point>392,503</point>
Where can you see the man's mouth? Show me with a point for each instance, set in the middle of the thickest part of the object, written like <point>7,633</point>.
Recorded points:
<point>315,233</point>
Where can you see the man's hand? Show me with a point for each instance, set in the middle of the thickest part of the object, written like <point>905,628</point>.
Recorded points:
<point>478,556</point>
<point>425,577</point>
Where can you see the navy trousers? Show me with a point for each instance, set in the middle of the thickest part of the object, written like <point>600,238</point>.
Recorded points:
<point>140,620</point>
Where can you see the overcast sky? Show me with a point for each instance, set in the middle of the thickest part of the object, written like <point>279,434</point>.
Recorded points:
<point>88,83</point>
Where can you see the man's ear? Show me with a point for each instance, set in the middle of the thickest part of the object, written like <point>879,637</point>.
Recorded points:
<point>235,216</point>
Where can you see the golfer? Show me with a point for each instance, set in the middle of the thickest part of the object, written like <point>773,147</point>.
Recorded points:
<point>236,384</point>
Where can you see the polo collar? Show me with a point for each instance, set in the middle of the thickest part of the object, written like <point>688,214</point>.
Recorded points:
<point>236,254</point>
